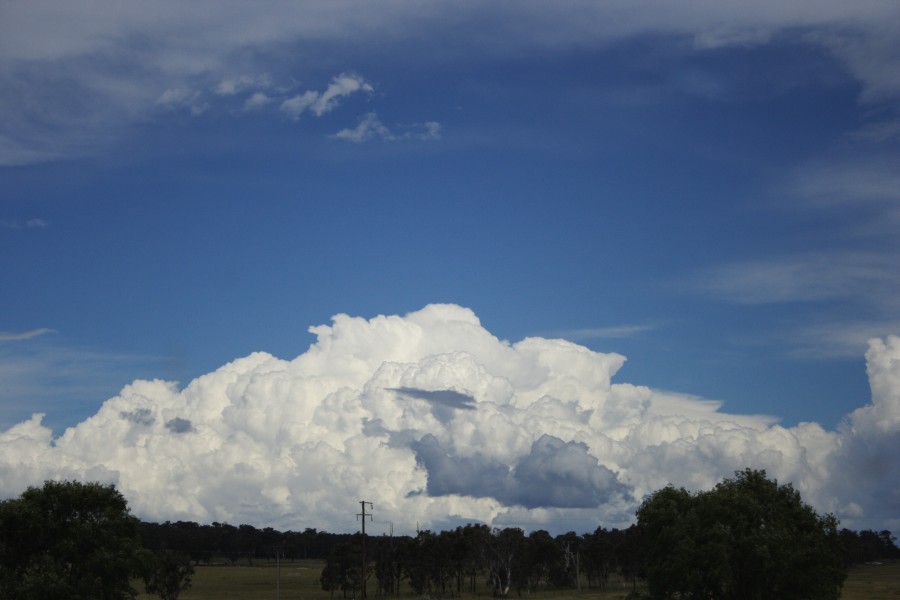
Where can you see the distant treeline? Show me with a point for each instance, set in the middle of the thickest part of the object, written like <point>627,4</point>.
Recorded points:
<point>867,546</point>
<point>597,550</point>
<point>243,543</point>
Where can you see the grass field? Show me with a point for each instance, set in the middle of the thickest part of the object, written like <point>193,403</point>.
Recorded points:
<point>873,582</point>
<point>300,581</point>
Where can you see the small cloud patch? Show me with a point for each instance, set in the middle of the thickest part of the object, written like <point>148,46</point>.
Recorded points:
<point>370,127</point>
<point>140,416</point>
<point>179,425</point>
<point>449,398</point>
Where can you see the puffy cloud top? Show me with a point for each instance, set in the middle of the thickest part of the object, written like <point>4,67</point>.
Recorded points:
<point>436,421</point>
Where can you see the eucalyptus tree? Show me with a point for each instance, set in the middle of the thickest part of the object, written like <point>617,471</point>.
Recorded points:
<point>599,556</point>
<point>502,554</point>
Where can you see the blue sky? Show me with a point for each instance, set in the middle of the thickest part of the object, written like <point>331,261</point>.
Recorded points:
<point>712,192</point>
<point>624,186</point>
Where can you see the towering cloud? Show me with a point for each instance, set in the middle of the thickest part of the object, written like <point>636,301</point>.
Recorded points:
<point>436,421</point>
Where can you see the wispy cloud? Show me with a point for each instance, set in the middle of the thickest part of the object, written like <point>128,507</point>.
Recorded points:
<point>26,224</point>
<point>324,102</point>
<point>176,98</point>
<point>48,376</point>
<point>297,105</point>
<point>73,79</point>
<point>599,333</point>
<point>6,336</point>
<point>341,86</point>
<point>259,92</point>
<point>846,282</point>
<point>843,299</point>
<point>864,179</point>
<point>257,101</point>
<point>236,85</point>
<point>862,277</point>
<point>370,127</point>
<point>878,131</point>
<point>831,339</point>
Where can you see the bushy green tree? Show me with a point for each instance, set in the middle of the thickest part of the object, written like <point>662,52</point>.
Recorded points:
<point>68,541</point>
<point>167,574</point>
<point>747,539</point>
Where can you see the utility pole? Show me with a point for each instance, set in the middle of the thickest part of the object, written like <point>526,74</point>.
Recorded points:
<point>278,576</point>
<point>362,516</point>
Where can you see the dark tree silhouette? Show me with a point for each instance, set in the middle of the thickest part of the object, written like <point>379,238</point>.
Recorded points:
<point>747,539</point>
<point>68,540</point>
<point>167,574</point>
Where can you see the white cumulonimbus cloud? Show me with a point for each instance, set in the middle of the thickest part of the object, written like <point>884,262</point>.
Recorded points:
<point>437,422</point>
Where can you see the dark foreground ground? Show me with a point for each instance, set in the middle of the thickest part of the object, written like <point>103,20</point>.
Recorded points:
<point>299,581</point>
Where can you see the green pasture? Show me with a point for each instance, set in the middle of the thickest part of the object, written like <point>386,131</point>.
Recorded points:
<point>300,581</point>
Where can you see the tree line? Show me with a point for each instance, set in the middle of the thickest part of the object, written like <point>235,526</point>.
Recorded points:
<point>749,538</point>
<point>474,558</point>
<point>246,544</point>
<point>450,563</point>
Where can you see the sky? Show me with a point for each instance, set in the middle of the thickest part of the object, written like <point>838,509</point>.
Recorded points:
<point>514,262</point>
